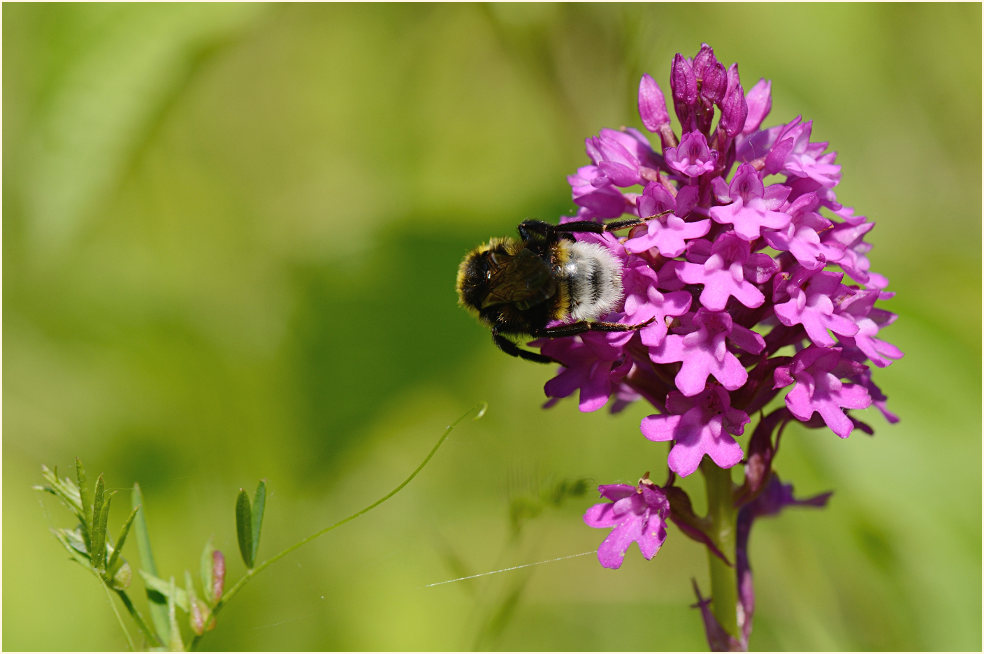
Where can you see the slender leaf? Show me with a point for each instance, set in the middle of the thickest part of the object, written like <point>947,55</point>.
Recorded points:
<point>158,610</point>
<point>189,586</point>
<point>97,535</point>
<point>85,501</point>
<point>259,504</point>
<point>124,531</point>
<point>206,569</point>
<point>244,531</point>
<point>174,642</point>
<point>103,527</point>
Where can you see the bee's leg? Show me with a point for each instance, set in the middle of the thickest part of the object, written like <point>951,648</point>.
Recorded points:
<point>511,348</point>
<point>549,231</point>
<point>528,227</point>
<point>576,328</point>
<point>580,226</point>
<point>577,226</point>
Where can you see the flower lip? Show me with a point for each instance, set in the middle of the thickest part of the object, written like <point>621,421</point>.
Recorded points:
<point>816,389</point>
<point>698,426</point>
<point>636,514</point>
<point>692,157</point>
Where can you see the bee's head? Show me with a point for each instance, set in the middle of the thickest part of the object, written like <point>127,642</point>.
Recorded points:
<point>477,271</point>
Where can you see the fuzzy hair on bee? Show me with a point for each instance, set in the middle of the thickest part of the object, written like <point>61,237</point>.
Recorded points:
<point>517,287</point>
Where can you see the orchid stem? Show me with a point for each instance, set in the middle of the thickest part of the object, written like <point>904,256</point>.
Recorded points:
<point>723,516</point>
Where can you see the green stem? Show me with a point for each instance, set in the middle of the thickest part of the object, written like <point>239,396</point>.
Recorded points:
<point>119,619</point>
<point>723,516</point>
<point>148,633</point>
<point>229,594</point>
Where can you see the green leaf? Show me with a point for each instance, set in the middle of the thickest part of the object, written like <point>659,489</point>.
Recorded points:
<point>64,489</point>
<point>100,535</point>
<point>72,541</point>
<point>244,531</point>
<point>158,610</point>
<point>174,642</point>
<point>259,504</point>
<point>85,502</point>
<point>124,531</point>
<point>105,552</point>
<point>143,536</point>
<point>166,589</point>
<point>97,535</point>
<point>206,569</point>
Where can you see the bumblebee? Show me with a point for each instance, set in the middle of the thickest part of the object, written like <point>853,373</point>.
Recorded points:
<point>516,287</point>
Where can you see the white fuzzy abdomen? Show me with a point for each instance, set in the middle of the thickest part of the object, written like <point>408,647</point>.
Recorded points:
<point>594,277</point>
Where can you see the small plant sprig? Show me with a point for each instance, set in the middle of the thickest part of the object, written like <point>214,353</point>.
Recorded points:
<point>171,604</point>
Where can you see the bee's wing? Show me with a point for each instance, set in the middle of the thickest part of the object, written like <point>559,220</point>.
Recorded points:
<point>523,280</point>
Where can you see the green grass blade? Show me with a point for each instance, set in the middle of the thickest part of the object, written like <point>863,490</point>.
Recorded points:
<point>155,599</point>
<point>244,531</point>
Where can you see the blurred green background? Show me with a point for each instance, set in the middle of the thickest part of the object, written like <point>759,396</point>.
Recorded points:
<point>230,235</point>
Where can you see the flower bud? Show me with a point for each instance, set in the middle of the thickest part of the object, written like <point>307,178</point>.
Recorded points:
<point>711,74</point>
<point>683,83</point>
<point>652,105</point>
<point>734,112</point>
<point>218,576</point>
<point>197,614</point>
<point>122,576</point>
<point>683,80</point>
<point>714,84</point>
